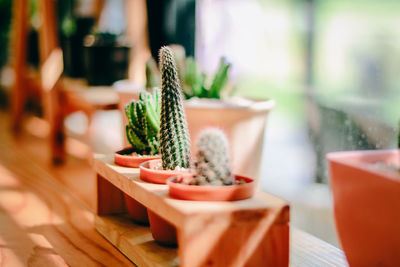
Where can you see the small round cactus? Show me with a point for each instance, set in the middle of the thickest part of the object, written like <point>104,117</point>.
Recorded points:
<point>213,163</point>
<point>174,135</point>
<point>144,123</point>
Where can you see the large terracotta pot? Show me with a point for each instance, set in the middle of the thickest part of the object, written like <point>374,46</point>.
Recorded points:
<point>244,124</point>
<point>367,206</point>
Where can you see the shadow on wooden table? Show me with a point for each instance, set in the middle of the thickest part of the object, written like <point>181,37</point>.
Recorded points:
<point>42,222</point>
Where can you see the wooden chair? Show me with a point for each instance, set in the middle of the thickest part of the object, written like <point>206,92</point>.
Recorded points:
<point>59,98</point>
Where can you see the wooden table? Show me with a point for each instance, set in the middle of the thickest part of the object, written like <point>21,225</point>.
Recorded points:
<point>46,213</point>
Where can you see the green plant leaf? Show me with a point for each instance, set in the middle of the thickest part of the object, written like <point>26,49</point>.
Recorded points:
<point>220,80</point>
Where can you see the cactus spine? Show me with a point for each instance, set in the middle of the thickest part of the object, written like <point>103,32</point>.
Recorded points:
<point>213,164</point>
<point>174,136</point>
<point>144,123</point>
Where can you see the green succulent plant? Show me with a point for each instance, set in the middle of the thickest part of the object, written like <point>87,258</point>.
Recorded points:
<point>212,164</point>
<point>174,135</point>
<point>195,83</point>
<point>195,80</point>
<point>143,126</point>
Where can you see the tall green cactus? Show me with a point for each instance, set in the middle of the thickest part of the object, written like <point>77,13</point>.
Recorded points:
<point>212,164</point>
<point>174,136</point>
<point>144,123</point>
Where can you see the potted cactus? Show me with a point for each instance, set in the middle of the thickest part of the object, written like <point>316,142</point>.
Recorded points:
<point>209,103</point>
<point>174,143</point>
<point>142,133</point>
<point>142,130</point>
<point>213,179</point>
<point>174,137</point>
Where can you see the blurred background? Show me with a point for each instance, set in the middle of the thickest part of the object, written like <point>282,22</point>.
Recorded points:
<point>330,65</point>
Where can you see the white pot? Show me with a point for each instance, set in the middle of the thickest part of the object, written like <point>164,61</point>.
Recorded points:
<point>242,120</point>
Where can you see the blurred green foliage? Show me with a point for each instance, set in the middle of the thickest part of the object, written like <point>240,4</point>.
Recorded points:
<point>195,81</point>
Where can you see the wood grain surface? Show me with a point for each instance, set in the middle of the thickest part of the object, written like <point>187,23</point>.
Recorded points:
<point>41,222</point>
<point>128,180</point>
<point>46,212</point>
<point>250,232</point>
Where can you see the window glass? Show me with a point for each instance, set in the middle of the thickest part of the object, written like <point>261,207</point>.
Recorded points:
<point>331,66</point>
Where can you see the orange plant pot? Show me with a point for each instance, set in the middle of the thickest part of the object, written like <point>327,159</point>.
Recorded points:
<point>211,193</point>
<point>137,212</point>
<point>150,174</point>
<point>162,231</point>
<point>123,158</point>
<point>367,206</point>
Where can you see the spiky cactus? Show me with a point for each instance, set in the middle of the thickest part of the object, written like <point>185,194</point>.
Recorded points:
<point>144,123</point>
<point>213,164</point>
<point>174,135</point>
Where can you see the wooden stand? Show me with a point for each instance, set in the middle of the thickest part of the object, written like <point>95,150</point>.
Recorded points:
<point>252,232</point>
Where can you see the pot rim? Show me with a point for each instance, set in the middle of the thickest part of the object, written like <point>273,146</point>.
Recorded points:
<point>145,165</point>
<point>365,160</point>
<point>199,189</point>
<point>145,170</point>
<point>130,148</point>
<point>237,177</point>
<point>218,104</point>
<point>126,160</point>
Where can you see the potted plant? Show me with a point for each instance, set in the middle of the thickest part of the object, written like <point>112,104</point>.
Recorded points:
<point>106,57</point>
<point>142,133</point>
<point>366,192</point>
<point>174,143</point>
<point>243,120</point>
<point>209,103</point>
<point>213,179</point>
<point>128,90</point>
<point>143,125</point>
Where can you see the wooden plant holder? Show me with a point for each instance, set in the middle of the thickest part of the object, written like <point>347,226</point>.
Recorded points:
<point>252,232</point>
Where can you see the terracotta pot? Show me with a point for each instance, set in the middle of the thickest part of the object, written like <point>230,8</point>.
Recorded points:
<point>211,193</point>
<point>149,174</point>
<point>123,158</point>
<point>136,211</point>
<point>367,206</point>
<point>163,231</point>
